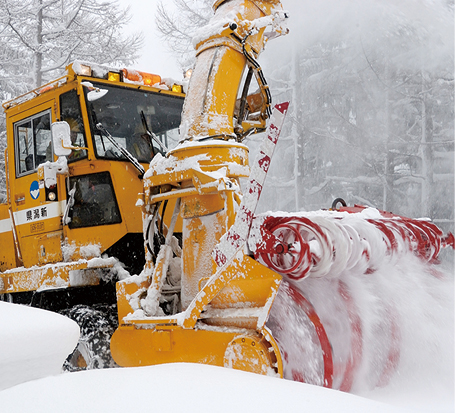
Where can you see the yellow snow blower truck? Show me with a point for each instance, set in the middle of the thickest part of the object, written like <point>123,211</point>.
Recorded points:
<point>275,293</point>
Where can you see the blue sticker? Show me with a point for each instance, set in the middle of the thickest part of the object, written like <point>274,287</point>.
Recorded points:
<point>34,190</point>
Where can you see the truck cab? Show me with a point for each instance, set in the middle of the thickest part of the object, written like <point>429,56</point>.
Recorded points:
<point>64,209</point>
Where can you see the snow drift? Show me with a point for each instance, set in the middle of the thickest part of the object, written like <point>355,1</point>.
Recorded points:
<point>34,343</point>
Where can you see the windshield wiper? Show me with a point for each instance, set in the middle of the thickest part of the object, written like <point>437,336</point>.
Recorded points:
<point>95,122</point>
<point>151,134</point>
<point>122,150</point>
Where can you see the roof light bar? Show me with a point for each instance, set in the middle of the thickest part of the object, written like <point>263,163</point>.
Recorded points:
<point>146,79</point>
<point>177,88</point>
<point>85,70</point>
<point>113,77</point>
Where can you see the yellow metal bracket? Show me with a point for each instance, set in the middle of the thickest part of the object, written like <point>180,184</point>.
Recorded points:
<point>241,267</point>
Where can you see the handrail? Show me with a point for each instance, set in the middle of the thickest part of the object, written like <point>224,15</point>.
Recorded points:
<point>36,92</point>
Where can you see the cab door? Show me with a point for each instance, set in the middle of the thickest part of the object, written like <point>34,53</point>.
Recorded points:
<point>37,213</point>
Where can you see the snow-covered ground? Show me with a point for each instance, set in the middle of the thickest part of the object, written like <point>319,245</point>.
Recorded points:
<point>34,343</point>
<point>179,388</point>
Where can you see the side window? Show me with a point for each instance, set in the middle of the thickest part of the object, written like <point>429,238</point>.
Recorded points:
<point>33,142</point>
<point>70,111</point>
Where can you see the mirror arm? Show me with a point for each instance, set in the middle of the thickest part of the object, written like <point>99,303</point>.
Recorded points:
<point>74,147</point>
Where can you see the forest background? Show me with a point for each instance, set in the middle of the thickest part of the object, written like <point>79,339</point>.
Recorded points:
<point>371,85</point>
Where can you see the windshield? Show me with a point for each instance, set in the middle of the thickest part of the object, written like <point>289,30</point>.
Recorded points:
<point>126,114</point>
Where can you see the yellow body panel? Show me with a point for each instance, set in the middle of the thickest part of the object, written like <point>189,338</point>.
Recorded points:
<point>132,347</point>
<point>38,234</point>
<point>193,336</point>
<point>244,286</point>
<point>127,289</point>
<point>223,289</point>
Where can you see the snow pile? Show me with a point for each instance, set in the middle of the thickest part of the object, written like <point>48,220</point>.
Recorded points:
<point>421,298</point>
<point>34,343</point>
<point>179,388</point>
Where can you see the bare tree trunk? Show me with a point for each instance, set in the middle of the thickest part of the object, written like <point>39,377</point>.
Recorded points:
<point>389,165</point>
<point>296,127</point>
<point>38,55</point>
<point>426,153</point>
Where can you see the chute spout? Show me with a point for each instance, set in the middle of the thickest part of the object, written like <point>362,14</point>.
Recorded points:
<point>233,39</point>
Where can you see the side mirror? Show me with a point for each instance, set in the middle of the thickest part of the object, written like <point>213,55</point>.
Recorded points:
<point>61,138</point>
<point>94,93</point>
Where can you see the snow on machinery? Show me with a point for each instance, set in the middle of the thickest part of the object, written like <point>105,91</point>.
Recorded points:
<point>269,294</point>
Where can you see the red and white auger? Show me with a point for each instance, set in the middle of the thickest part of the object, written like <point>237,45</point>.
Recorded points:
<point>326,243</point>
<point>327,257</point>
